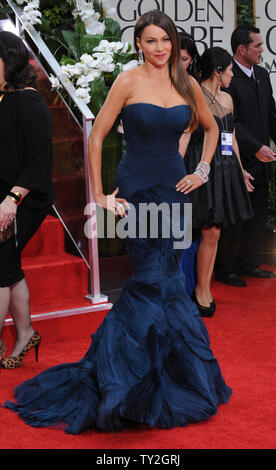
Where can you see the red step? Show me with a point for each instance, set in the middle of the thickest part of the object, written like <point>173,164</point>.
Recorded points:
<point>48,240</point>
<point>53,276</point>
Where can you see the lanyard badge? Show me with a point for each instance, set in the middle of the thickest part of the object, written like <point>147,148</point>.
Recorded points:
<point>226,143</point>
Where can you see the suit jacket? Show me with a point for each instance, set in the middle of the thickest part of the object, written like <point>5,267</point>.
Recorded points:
<point>255,118</point>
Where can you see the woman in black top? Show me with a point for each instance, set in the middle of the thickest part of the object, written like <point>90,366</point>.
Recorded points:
<point>26,188</point>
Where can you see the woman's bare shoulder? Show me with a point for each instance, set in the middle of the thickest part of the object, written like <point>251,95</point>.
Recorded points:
<point>226,99</point>
<point>127,83</point>
<point>195,85</point>
<point>128,76</point>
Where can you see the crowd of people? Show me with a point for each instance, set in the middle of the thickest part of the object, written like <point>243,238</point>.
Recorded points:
<point>190,136</point>
<point>232,222</point>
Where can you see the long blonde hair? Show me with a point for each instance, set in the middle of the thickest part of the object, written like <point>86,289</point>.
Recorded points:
<point>179,77</point>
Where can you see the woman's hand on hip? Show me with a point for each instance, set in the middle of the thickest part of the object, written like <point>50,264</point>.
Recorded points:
<point>116,205</point>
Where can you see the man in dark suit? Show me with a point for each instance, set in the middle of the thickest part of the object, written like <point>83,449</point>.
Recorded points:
<point>241,246</point>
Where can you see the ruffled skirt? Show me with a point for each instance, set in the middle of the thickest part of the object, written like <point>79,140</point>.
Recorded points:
<point>224,199</point>
<point>149,362</point>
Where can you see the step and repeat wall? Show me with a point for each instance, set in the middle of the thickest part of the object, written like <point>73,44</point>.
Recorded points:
<point>210,22</point>
<point>265,18</point>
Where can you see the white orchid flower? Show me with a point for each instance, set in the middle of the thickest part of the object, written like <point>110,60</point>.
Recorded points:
<point>83,94</point>
<point>55,82</point>
<point>106,67</point>
<point>103,57</point>
<point>31,17</point>
<point>83,81</point>
<point>33,5</point>
<point>130,65</point>
<point>109,10</point>
<point>92,75</point>
<point>104,46</point>
<point>84,9</point>
<point>116,46</point>
<point>94,27</point>
<point>64,72</point>
<point>88,62</point>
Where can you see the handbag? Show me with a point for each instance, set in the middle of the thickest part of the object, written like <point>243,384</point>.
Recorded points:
<point>7,233</point>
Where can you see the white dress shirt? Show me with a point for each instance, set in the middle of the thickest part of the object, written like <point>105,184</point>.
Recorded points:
<point>249,72</point>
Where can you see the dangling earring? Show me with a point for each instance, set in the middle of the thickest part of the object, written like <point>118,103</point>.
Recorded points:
<point>141,57</point>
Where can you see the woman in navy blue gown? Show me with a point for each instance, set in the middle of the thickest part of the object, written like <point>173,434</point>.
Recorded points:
<point>150,361</point>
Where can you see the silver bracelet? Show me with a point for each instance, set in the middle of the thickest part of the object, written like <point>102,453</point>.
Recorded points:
<point>202,170</point>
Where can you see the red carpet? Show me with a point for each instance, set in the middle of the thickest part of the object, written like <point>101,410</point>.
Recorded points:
<point>242,333</point>
<point>57,280</point>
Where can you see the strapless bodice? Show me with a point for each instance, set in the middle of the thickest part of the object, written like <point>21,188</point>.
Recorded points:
<point>152,136</point>
<point>154,130</point>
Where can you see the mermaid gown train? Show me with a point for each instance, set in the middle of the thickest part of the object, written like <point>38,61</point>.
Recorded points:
<point>150,361</point>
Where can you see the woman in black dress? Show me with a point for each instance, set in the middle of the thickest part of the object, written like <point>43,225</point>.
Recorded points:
<point>26,188</point>
<point>224,198</point>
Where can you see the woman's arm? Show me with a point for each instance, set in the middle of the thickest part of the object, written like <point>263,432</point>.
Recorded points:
<point>207,120</point>
<point>183,143</point>
<point>211,133</point>
<point>113,105</point>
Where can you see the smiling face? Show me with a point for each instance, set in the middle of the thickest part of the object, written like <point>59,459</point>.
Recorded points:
<point>2,75</point>
<point>155,44</point>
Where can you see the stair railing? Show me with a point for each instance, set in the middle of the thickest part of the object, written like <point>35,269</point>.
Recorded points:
<point>95,295</point>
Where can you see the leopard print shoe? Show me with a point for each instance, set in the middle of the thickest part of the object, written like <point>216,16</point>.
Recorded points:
<point>13,362</point>
<point>3,351</point>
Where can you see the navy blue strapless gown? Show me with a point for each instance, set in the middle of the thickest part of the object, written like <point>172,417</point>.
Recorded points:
<point>150,361</point>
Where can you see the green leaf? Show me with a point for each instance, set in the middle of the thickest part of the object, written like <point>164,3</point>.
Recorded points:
<point>65,60</point>
<point>99,92</point>
<point>45,26</point>
<point>112,30</point>
<point>71,40</point>
<point>124,58</point>
<point>6,10</point>
<point>89,42</point>
<point>80,28</point>
<point>44,4</point>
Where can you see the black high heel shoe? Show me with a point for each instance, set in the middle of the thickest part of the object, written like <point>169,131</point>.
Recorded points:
<point>213,305</point>
<point>204,311</point>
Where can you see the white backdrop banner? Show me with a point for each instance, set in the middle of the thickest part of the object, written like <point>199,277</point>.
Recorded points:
<point>210,22</point>
<point>265,12</point>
